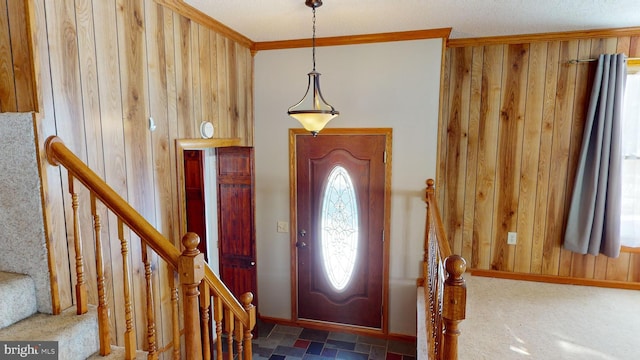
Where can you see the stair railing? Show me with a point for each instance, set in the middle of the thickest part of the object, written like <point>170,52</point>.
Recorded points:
<point>445,291</point>
<point>198,282</point>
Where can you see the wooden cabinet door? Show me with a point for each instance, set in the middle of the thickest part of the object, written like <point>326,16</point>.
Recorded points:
<point>236,225</point>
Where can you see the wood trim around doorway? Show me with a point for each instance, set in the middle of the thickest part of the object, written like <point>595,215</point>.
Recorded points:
<point>293,213</point>
<point>192,144</point>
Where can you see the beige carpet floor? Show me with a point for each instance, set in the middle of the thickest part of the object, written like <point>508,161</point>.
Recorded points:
<point>508,319</point>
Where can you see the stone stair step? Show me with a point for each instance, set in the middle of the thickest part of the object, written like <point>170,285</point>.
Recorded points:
<point>77,335</point>
<point>18,300</point>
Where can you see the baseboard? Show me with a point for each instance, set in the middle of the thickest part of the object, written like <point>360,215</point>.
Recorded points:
<point>555,279</point>
<point>336,327</point>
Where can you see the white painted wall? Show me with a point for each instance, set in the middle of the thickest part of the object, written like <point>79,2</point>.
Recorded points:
<point>392,85</point>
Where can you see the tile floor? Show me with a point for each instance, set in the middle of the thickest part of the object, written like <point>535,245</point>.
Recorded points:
<point>278,342</point>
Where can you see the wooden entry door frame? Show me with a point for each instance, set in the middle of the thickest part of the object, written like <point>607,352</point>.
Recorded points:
<point>293,214</point>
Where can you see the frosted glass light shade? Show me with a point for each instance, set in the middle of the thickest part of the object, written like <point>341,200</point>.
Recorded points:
<point>313,112</point>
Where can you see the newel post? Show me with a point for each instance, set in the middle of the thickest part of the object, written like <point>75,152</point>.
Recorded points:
<point>454,304</point>
<point>191,270</point>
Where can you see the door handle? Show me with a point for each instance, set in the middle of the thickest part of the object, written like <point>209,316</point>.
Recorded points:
<point>301,244</point>
<point>302,233</point>
<point>253,263</point>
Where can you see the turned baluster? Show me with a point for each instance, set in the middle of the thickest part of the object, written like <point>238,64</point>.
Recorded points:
<point>218,315</point>
<point>81,286</point>
<point>129,335</point>
<point>229,322</point>
<point>151,323</point>
<point>205,303</point>
<point>175,316</point>
<point>103,306</point>
<point>247,299</point>
<point>191,269</point>
<point>239,331</point>
<point>454,304</point>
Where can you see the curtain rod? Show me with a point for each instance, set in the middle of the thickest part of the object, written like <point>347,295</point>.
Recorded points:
<point>575,61</point>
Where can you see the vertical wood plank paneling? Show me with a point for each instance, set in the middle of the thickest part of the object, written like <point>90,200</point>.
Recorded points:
<point>213,83</point>
<point>472,151</point>
<point>487,151</point>
<point>182,28</point>
<point>442,127</point>
<point>93,130</point>
<point>457,129</point>
<point>559,151</point>
<point>544,160</point>
<point>139,160</point>
<point>51,181</point>
<point>232,91</point>
<point>68,111</point>
<point>206,89</point>
<point>531,175</point>
<point>156,68</point>
<point>515,68</point>
<point>113,63</point>
<point>8,102</point>
<point>530,155</point>
<point>581,265</point>
<point>223,86</point>
<point>21,54</point>
<point>112,142</point>
<point>196,103</point>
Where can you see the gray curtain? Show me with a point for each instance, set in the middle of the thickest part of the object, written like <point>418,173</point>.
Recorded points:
<point>593,225</point>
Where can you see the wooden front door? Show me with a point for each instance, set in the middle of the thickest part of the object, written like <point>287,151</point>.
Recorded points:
<point>236,225</point>
<point>340,228</point>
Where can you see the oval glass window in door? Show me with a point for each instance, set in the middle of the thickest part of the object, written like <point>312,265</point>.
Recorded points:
<point>339,224</point>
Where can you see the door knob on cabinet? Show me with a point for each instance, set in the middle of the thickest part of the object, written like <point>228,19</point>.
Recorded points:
<point>301,244</point>
<point>253,263</point>
<point>302,232</point>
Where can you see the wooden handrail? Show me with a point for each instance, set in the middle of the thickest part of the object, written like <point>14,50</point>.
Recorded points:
<point>58,154</point>
<point>445,301</point>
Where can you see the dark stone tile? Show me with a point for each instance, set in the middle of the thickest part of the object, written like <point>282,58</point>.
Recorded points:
<point>343,336</point>
<point>314,335</point>
<point>329,353</point>
<point>351,355</point>
<point>288,340</point>
<point>313,357</point>
<point>284,329</point>
<point>372,340</point>
<point>392,356</point>
<point>363,348</point>
<point>264,329</point>
<point>303,344</point>
<point>402,347</point>
<point>342,345</point>
<point>377,353</point>
<point>277,357</point>
<point>262,351</point>
<point>289,351</point>
<point>315,348</point>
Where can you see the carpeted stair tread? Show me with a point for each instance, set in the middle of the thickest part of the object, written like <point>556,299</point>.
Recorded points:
<point>18,300</point>
<point>77,335</point>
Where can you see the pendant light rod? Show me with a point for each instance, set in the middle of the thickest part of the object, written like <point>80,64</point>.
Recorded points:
<point>313,111</point>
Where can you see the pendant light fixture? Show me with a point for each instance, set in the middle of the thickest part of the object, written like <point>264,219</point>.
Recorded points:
<point>313,112</point>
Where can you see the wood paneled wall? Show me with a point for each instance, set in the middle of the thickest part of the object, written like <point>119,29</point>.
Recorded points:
<point>103,69</point>
<point>513,118</point>
<point>17,86</point>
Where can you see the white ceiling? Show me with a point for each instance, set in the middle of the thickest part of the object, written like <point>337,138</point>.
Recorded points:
<point>262,20</point>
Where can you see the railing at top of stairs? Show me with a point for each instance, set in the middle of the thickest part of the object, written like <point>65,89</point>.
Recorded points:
<point>199,284</point>
<point>445,293</point>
